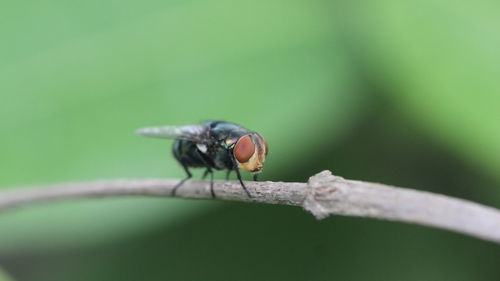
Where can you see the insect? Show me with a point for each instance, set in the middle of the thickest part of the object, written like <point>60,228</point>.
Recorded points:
<point>214,145</point>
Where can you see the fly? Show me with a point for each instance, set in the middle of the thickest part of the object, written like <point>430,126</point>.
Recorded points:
<point>214,145</point>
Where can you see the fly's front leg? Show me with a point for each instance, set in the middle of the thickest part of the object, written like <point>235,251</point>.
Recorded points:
<point>255,177</point>
<point>189,175</point>
<point>241,181</point>
<point>238,174</point>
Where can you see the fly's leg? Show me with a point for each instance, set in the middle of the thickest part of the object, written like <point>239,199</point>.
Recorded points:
<point>238,174</point>
<point>228,173</point>
<point>212,184</point>
<point>255,177</point>
<point>205,174</point>
<point>241,181</point>
<point>189,175</point>
<point>208,171</point>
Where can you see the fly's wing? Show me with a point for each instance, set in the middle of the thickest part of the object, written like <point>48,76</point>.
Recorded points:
<point>195,133</point>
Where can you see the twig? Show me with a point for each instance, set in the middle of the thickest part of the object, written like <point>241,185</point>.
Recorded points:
<point>324,195</point>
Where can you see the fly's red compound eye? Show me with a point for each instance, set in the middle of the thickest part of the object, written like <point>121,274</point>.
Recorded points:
<point>244,149</point>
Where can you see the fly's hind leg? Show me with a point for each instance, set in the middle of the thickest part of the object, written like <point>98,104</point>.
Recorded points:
<point>189,175</point>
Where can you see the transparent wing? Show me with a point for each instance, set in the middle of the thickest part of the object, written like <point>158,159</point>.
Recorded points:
<point>196,133</point>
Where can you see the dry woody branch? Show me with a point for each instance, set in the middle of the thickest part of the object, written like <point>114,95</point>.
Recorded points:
<point>323,195</point>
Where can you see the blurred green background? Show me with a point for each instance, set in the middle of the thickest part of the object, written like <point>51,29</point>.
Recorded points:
<point>400,92</point>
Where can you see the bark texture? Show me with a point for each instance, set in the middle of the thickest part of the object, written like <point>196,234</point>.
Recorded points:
<point>323,195</point>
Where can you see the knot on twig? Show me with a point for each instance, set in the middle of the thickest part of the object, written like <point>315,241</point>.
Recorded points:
<point>324,189</point>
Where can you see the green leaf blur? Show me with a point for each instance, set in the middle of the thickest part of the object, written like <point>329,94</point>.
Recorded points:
<point>4,277</point>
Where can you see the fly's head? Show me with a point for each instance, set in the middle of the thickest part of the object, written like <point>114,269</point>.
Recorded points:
<point>250,152</point>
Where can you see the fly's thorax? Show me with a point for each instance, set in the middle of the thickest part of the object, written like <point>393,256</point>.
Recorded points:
<point>250,152</point>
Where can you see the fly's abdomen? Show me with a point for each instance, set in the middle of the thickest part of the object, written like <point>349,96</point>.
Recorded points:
<point>187,154</point>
